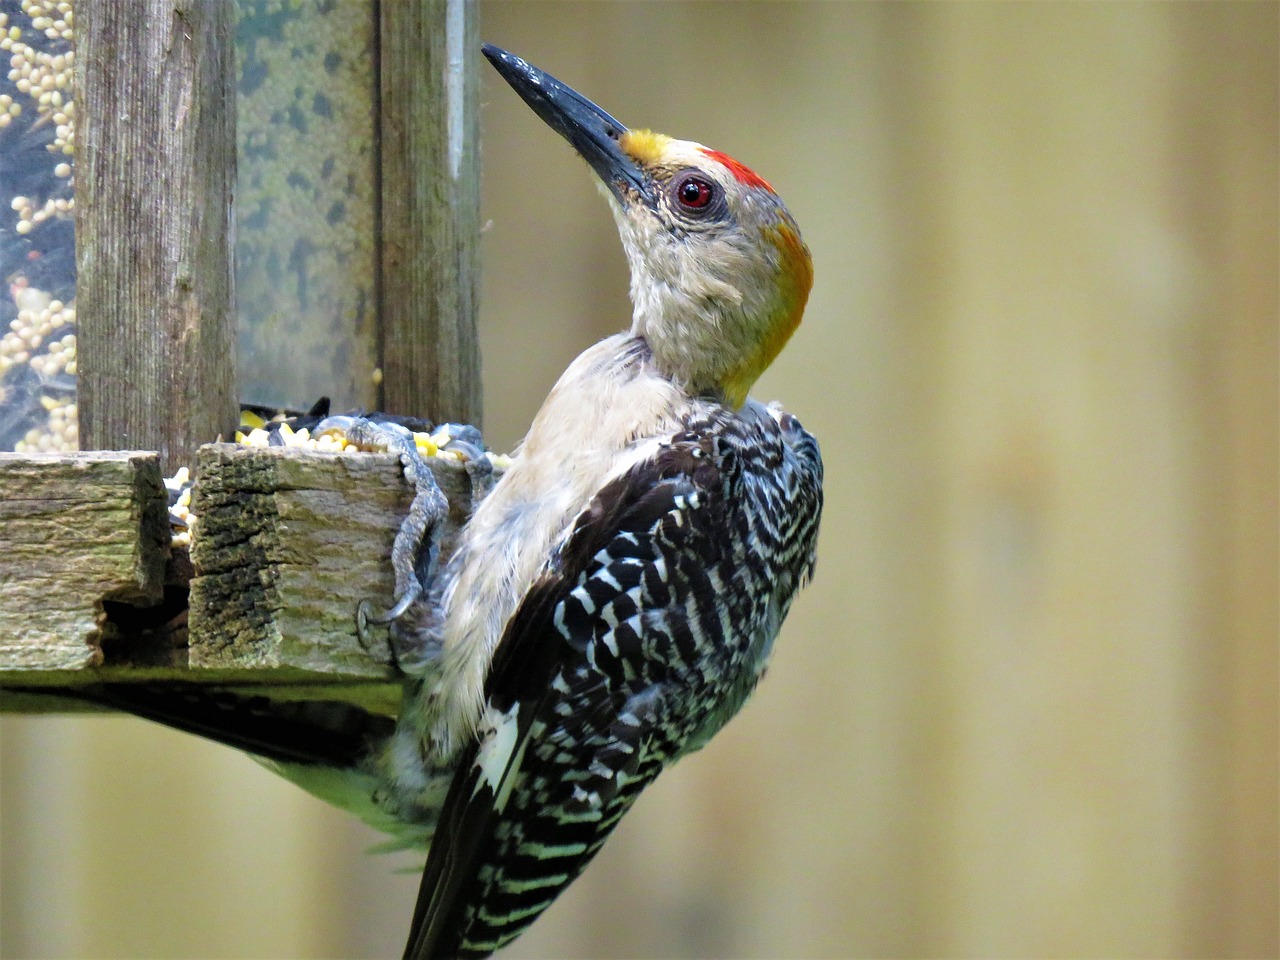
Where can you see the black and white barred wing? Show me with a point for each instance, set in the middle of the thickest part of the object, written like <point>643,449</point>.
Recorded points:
<point>648,632</point>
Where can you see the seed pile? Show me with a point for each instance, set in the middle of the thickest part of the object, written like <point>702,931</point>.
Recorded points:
<point>448,441</point>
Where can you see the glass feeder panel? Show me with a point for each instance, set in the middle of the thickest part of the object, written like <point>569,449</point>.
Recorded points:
<point>306,249</point>
<point>37,234</point>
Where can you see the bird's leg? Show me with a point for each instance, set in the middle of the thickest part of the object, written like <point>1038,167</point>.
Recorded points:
<point>416,547</point>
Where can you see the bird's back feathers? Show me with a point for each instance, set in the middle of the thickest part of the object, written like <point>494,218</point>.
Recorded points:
<point>645,634</point>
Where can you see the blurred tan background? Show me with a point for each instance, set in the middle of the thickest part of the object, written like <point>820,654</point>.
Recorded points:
<point>1028,708</point>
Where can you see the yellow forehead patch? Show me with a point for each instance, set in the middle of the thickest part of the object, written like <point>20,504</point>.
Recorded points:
<point>644,146</point>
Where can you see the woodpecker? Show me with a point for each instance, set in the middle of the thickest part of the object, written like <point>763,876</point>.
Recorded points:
<point>615,597</point>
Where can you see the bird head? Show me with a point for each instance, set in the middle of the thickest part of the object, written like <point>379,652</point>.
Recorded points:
<point>719,272</point>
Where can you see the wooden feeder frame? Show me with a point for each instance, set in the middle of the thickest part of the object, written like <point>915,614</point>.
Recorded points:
<point>288,540</point>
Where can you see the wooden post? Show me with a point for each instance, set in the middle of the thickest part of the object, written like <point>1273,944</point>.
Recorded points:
<point>430,208</point>
<point>155,168</point>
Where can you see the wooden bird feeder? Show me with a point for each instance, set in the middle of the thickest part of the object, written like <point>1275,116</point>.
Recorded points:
<point>288,541</point>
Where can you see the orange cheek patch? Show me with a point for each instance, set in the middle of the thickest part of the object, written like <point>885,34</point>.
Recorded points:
<point>797,265</point>
<point>796,279</point>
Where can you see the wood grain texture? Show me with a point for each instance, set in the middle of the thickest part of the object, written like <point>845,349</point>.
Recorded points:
<point>75,531</point>
<point>430,209</point>
<point>155,168</point>
<point>287,543</point>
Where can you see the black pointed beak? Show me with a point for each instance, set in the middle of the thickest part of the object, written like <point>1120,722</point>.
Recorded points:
<point>591,131</point>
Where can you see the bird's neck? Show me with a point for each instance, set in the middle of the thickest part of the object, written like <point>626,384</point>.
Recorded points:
<point>715,314</point>
<point>719,351</point>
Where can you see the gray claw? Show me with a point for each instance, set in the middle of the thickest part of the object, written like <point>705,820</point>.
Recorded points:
<point>469,450</point>
<point>464,433</point>
<point>480,472</point>
<point>365,615</point>
<point>419,531</point>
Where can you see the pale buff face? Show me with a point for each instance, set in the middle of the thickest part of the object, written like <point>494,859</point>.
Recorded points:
<point>711,285</point>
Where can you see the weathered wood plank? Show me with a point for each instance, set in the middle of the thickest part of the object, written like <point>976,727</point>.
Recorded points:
<point>75,531</point>
<point>288,541</point>
<point>430,208</point>
<point>155,166</point>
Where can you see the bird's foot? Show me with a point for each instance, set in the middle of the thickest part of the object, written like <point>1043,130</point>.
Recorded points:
<point>415,551</point>
<point>465,440</point>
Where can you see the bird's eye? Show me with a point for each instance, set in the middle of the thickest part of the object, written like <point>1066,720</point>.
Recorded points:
<point>694,193</point>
